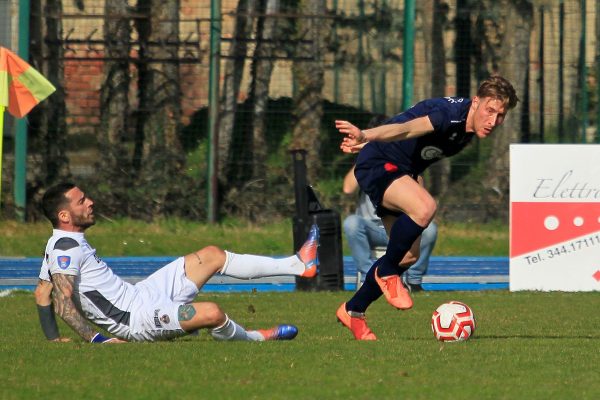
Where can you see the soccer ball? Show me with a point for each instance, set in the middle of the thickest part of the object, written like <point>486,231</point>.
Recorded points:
<point>453,322</point>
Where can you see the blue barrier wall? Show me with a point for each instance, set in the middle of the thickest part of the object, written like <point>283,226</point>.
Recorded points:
<point>444,273</point>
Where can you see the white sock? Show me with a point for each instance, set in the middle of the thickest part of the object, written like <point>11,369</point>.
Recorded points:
<point>248,266</point>
<point>232,331</point>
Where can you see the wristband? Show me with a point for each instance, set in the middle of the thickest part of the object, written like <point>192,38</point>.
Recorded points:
<point>98,338</point>
<point>48,322</point>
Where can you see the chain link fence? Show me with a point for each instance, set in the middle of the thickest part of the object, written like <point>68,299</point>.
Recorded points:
<point>130,119</point>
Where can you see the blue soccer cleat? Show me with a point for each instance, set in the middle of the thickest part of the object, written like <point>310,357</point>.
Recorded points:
<point>308,253</point>
<point>280,332</point>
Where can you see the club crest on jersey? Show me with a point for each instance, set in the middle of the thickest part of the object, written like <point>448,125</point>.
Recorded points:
<point>63,261</point>
<point>431,153</point>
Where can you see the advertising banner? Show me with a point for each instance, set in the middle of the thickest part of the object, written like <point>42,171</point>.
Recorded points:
<point>555,217</point>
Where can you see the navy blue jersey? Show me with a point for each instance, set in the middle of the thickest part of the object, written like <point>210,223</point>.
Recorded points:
<point>448,115</point>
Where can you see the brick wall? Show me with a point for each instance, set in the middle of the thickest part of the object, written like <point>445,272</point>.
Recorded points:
<point>82,87</point>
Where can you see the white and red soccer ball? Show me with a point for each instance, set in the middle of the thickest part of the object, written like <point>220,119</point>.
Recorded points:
<point>453,322</point>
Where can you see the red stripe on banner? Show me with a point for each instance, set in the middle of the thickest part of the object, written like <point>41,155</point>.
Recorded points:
<point>536,225</point>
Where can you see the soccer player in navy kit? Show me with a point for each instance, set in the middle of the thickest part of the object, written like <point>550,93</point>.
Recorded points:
<point>390,159</point>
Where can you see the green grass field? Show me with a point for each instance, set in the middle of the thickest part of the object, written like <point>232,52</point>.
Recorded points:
<point>175,237</point>
<point>527,346</point>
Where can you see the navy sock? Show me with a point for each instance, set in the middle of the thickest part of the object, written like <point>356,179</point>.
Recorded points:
<point>368,292</point>
<point>403,234</point>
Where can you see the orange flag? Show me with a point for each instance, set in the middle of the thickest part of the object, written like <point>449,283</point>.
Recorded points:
<point>21,89</point>
<point>21,86</point>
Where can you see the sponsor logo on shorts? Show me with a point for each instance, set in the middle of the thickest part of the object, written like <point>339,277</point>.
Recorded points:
<point>157,319</point>
<point>63,261</point>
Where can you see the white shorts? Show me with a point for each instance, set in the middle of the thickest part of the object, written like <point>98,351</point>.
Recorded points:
<point>155,316</point>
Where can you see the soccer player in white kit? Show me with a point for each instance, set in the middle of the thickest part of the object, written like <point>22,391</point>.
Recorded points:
<point>159,307</point>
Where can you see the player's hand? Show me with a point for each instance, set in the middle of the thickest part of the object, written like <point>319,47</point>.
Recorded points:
<point>115,340</point>
<point>61,340</point>
<point>354,139</point>
<point>100,338</point>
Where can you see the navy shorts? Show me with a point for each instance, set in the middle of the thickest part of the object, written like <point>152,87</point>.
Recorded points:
<point>375,175</point>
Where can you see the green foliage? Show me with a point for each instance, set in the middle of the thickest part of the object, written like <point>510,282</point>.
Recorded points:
<point>159,191</point>
<point>272,196</point>
<point>464,162</point>
<point>197,162</point>
<point>527,345</point>
<point>278,127</point>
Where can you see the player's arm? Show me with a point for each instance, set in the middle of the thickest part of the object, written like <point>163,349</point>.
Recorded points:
<point>406,130</point>
<point>43,300</point>
<point>355,138</point>
<point>66,309</point>
<point>350,183</point>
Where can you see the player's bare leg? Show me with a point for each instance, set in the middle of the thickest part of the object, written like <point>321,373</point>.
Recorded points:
<point>201,265</point>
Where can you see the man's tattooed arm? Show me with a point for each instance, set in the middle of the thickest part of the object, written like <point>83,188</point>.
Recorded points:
<point>65,307</point>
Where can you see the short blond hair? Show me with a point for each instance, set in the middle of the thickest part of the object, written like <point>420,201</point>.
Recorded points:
<point>497,87</point>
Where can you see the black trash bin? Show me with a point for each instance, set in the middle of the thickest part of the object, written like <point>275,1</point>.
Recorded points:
<point>331,267</point>
<point>310,211</point>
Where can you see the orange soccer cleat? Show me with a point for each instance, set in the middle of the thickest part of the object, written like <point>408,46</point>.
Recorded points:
<point>308,253</point>
<point>356,322</point>
<point>394,291</point>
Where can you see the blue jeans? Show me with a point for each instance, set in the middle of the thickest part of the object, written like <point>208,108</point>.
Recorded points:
<point>364,234</point>
<point>415,273</point>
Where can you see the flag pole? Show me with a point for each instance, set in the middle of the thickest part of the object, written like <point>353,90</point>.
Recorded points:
<point>20,171</point>
<point>1,139</point>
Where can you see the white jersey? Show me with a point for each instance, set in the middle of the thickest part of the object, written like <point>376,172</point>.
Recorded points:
<point>147,310</point>
<point>105,298</point>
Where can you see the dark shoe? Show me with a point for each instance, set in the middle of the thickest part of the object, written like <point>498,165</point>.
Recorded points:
<point>414,287</point>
